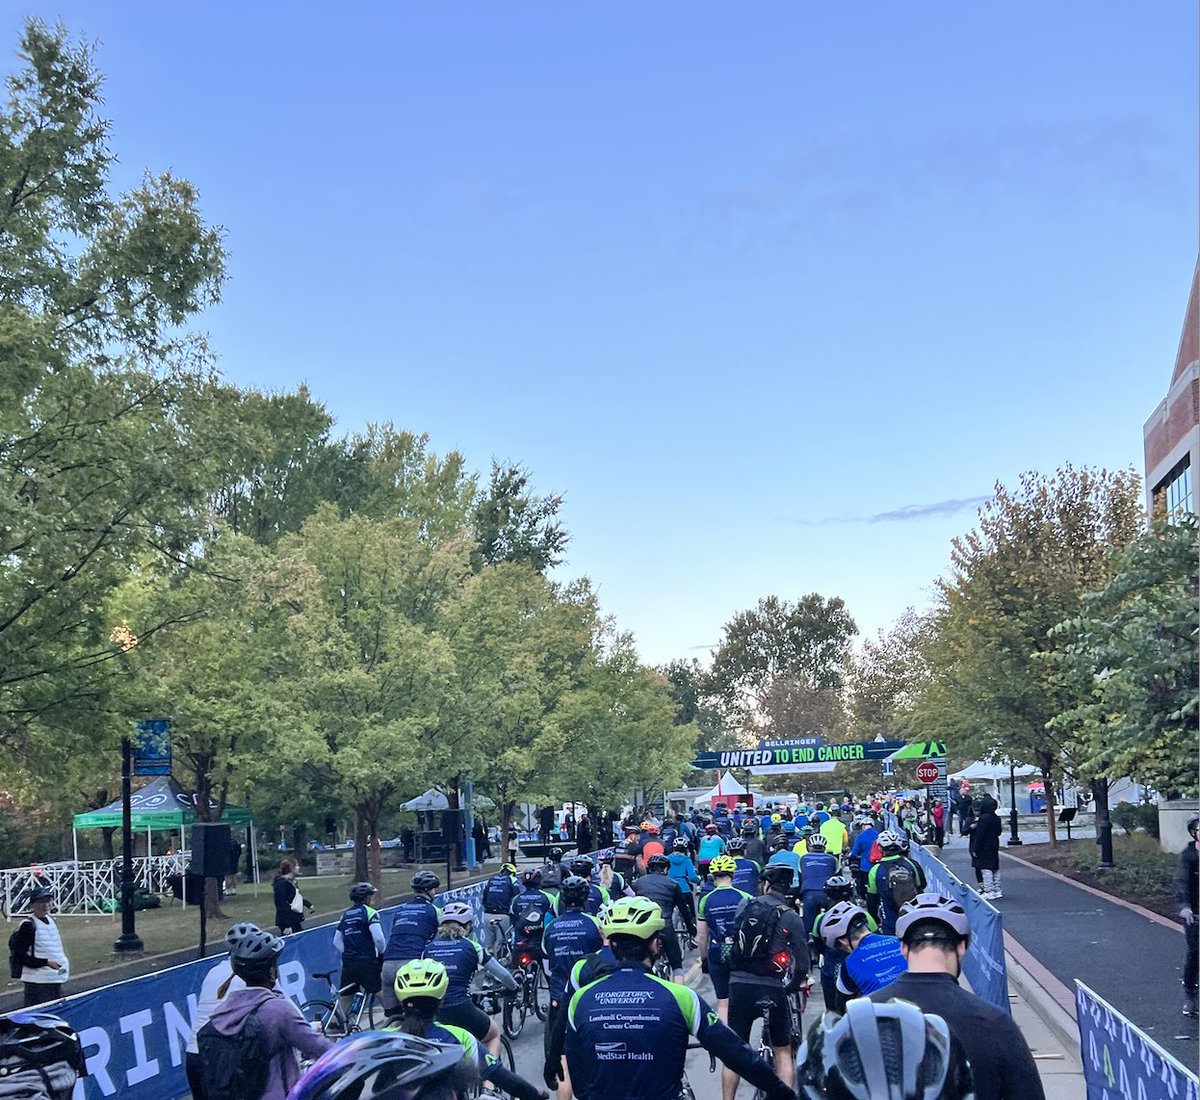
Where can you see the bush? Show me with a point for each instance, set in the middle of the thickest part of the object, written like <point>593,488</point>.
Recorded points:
<point>1132,816</point>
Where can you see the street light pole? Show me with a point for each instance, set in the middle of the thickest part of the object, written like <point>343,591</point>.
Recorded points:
<point>130,942</point>
<point>1014,839</point>
<point>1103,824</point>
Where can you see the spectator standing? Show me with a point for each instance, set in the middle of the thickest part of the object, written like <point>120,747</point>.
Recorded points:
<point>939,823</point>
<point>235,855</point>
<point>964,806</point>
<point>1189,905</point>
<point>483,847</point>
<point>289,916</point>
<point>985,848</point>
<point>39,950</point>
<point>583,834</point>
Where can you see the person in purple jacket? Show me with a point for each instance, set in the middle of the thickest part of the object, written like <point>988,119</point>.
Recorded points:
<point>285,1032</point>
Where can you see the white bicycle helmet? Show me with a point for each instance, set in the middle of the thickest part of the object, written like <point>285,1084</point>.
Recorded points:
<point>932,907</point>
<point>837,921</point>
<point>818,842</point>
<point>459,912</point>
<point>890,1051</point>
<point>892,841</point>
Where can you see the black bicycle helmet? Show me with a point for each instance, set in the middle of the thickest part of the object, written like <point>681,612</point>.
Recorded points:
<point>777,874</point>
<point>839,888</point>
<point>424,882</point>
<point>876,1051</point>
<point>582,866</point>
<point>377,1064</point>
<point>531,879</point>
<point>361,892</point>
<point>556,855</point>
<point>574,892</point>
<point>657,863</point>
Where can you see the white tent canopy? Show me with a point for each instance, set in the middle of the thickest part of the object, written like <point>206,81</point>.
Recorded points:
<point>432,799</point>
<point>726,784</point>
<point>990,772</point>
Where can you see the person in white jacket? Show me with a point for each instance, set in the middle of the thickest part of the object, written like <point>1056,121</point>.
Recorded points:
<point>39,949</point>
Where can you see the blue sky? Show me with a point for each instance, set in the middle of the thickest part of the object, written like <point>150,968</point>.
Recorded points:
<point>736,279</point>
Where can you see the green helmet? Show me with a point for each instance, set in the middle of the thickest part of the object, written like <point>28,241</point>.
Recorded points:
<point>639,917</point>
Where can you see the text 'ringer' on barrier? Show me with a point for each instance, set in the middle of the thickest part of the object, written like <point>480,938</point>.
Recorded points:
<point>134,1032</point>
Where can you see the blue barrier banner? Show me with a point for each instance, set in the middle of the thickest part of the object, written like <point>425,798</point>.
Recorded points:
<point>983,963</point>
<point>1120,1061</point>
<point>134,1033</point>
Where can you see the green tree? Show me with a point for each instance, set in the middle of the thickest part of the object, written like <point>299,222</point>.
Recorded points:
<point>1129,667</point>
<point>806,643</point>
<point>511,524</point>
<point>1035,553</point>
<point>886,676</point>
<point>105,449</point>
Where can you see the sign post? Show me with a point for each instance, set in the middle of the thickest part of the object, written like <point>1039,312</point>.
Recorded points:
<point>129,943</point>
<point>927,772</point>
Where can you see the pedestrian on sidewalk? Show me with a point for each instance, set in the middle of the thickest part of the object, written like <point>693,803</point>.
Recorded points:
<point>934,936</point>
<point>1186,893</point>
<point>939,824</point>
<point>39,953</point>
<point>985,831</point>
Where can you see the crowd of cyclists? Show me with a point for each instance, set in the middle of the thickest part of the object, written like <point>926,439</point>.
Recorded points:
<point>773,903</point>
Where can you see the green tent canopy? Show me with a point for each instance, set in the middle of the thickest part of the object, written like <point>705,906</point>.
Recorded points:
<point>919,750</point>
<point>162,804</point>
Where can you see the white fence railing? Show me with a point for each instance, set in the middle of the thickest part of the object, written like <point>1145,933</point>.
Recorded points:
<point>86,886</point>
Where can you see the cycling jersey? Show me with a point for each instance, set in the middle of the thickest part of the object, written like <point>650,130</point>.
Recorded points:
<point>682,870</point>
<point>360,933</point>
<point>861,848</point>
<point>566,942</point>
<point>597,896</point>
<point>876,962</point>
<point>662,890</point>
<point>711,846</point>
<point>756,850</point>
<point>819,818</point>
<point>717,909</point>
<point>835,833</point>
<point>627,1036</point>
<point>461,958</point>
<point>789,859</point>
<point>652,847</point>
<point>531,900</point>
<point>815,869</point>
<point>746,875</point>
<point>879,894</point>
<point>616,888</point>
<point>800,820</point>
<point>415,923</point>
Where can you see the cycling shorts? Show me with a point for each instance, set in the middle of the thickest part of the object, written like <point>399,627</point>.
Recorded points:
<point>365,973</point>
<point>719,973</point>
<point>467,1015</point>
<point>743,1011</point>
<point>671,947</point>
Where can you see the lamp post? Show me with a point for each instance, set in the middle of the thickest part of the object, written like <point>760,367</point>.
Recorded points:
<point>129,943</point>
<point>1013,839</point>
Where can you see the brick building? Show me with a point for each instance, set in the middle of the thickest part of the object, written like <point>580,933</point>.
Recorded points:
<point>1172,434</point>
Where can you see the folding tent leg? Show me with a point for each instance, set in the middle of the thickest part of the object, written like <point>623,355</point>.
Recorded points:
<point>254,854</point>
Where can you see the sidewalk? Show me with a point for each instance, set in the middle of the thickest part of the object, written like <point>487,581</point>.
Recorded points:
<point>1060,931</point>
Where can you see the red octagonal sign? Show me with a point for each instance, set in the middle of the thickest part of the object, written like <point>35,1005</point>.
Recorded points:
<point>927,772</point>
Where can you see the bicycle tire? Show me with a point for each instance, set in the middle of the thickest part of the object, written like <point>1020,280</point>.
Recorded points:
<point>506,1053</point>
<point>541,994</point>
<point>365,1020</point>
<point>513,1014</point>
<point>323,1013</point>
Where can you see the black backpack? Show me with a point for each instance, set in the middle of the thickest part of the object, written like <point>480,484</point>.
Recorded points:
<point>901,883</point>
<point>18,949</point>
<point>755,936</point>
<point>236,1066</point>
<point>498,894</point>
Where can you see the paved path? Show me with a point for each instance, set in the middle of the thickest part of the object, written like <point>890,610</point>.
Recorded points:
<point>1134,963</point>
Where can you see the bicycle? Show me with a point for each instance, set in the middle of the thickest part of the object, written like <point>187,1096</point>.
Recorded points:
<point>686,1092</point>
<point>535,989</point>
<point>765,1050</point>
<point>329,1016</point>
<point>511,1006</point>
<point>497,941</point>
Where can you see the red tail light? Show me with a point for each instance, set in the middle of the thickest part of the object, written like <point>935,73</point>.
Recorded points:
<point>525,960</point>
<point>783,960</point>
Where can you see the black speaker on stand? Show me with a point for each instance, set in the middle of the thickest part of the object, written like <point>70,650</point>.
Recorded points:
<point>211,841</point>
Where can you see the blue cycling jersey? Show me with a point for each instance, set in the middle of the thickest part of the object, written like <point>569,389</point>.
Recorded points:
<point>355,927</point>
<point>876,962</point>
<point>717,909</point>
<point>815,868</point>
<point>792,860</point>
<point>861,848</point>
<point>597,897</point>
<point>746,875</point>
<point>711,847</point>
<point>570,937</point>
<point>682,870</point>
<point>461,958</point>
<point>415,923</point>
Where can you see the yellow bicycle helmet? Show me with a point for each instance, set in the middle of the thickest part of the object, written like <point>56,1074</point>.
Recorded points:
<point>421,978</point>
<point>723,865</point>
<point>776,818</point>
<point>639,917</point>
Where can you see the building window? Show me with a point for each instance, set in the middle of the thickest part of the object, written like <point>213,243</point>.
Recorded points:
<point>1175,490</point>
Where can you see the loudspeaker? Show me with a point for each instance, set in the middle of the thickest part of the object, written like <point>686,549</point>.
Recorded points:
<point>453,823</point>
<point>210,849</point>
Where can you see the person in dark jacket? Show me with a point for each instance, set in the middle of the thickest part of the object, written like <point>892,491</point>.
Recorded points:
<point>657,885</point>
<point>1186,895</point>
<point>285,890</point>
<point>583,834</point>
<point>934,935</point>
<point>985,833</point>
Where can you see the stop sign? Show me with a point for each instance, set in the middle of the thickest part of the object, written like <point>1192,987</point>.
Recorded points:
<point>927,772</point>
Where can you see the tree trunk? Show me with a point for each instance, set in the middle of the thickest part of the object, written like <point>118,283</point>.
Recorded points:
<point>361,870</point>
<point>106,843</point>
<point>1048,790</point>
<point>506,811</point>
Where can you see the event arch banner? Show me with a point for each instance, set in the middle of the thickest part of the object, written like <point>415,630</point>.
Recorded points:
<point>801,754</point>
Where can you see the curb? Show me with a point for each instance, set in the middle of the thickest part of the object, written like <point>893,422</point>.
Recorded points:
<point>1045,1000</point>
<point>1157,918</point>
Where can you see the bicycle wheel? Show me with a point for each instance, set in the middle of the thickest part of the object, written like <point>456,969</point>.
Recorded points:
<point>512,1015</point>
<point>506,1054</point>
<point>541,994</point>
<point>325,1013</point>
<point>371,1012</point>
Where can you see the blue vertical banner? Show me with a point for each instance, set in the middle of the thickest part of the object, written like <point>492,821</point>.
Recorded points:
<point>1120,1061</point>
<point>134,1033</point>
<point>152,747</point>
<point>983,963</point>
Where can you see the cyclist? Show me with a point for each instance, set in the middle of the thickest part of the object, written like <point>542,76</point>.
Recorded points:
<point>41,1056</point>
<point>608,879</point>
<point>782,854</point>
<point>816,867</point>
<point>530,910</point>
<point>934,935</point>
<point>415,923</point>
<point>747,872</point>
<point>712,844</point>
<point>626,856</point>
<point>839,888</point>
<point>836,837</point>
<point>461,954</point>
<point>873,960</point>
<point>717,909</point>
<point>581,867</point>
<point>359,940</point>
<point>628,1031</point>
<point>894,880</point>
<point>570,938</point>
<point>420,986</point>
<point>769,960</point>
<point>683,871</point>
<point>652,844</point>
<point>389,1063</point>
<point>755,848</point>
<point>269,1068</point>
<point>860,851</point>
<point>498,894</point>
<point>889,1050</point>
<point>664,891</point>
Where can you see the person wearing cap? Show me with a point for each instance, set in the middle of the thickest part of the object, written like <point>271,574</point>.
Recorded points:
<point>934,936</point>
<point>255,959</point>
<point>360,942</point>
<point>39,951</point>
<point>414,923</point>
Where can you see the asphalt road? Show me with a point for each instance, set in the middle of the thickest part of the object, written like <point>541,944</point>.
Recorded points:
<point>1134,963</point>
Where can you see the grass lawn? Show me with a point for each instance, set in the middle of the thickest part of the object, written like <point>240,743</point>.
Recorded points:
<point>88,940</point>
<point>1142,871</point>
